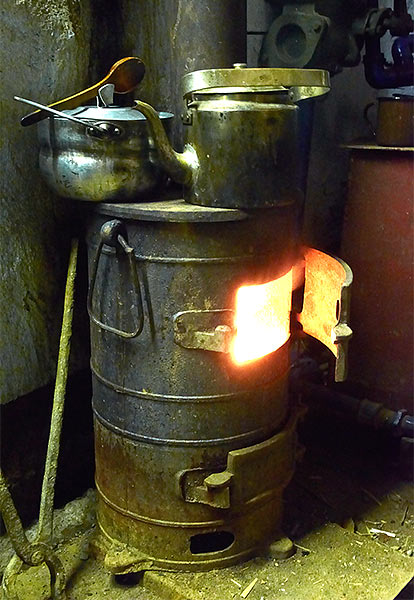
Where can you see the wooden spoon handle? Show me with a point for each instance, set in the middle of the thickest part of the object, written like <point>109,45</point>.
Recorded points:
<point>67,103</point>
<point>124,74</point>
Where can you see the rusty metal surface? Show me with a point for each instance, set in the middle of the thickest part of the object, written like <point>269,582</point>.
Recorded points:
<point>378,242</point>
<point>161,408</point>
<point>185,266</point>
<point>252,474</point>
<point>326,305</point>
<point>156,513</point>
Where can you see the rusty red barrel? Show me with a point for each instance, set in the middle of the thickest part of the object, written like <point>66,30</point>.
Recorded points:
<point>378,242</point>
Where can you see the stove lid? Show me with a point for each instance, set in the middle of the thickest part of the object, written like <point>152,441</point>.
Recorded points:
<point>174,210</point>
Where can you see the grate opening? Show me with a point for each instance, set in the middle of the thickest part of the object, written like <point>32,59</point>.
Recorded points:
<point>204,543</point>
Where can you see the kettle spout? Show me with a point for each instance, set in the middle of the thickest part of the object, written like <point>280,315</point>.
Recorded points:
<point>179,166</point>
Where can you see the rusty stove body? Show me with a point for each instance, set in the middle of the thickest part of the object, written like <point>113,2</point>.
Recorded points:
<point>190,308</point>
<point>193,450</point>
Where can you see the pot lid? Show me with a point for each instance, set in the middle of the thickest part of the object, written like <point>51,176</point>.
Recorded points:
<point>112,113</point>
<point>302,83</point>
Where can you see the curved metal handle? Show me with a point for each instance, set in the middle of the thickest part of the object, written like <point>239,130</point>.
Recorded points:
<point>112,236</point>
<point>98,131</point>
<point>368,120</point>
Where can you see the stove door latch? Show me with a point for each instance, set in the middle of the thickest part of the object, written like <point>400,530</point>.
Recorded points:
<point>252,475</point>
<point>204,329</point>
<point>213,489</point>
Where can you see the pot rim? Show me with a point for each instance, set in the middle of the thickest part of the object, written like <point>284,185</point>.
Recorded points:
<point>111,113</point>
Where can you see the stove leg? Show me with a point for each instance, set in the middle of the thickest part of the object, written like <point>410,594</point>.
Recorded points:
<point>282,549</point>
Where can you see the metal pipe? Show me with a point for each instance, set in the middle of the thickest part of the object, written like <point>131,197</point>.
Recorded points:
<point>175,37</point>
<point>365,412</point>
<point>45,529</point>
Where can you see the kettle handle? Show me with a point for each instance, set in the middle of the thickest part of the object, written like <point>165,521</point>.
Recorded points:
<point>111,234</point>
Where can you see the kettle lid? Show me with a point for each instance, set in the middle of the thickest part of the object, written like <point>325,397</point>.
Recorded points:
<point>303,83</point>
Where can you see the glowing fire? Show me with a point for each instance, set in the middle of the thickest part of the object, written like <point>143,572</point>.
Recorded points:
<point>262,318</point>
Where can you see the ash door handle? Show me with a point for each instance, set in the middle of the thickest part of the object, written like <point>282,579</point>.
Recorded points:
<point>112,236</point>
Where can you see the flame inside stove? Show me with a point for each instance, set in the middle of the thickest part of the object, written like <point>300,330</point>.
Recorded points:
<point>262,319</point>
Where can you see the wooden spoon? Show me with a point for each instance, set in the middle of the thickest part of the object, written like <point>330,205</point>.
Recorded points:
<point>124,74</point>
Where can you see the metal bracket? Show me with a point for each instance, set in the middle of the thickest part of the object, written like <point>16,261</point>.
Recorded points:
<point>203,487</point>
<point>252,474</point>
<point>205,329</point>
<point>304,19</point>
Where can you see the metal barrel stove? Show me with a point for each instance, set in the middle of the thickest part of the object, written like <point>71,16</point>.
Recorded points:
<point>193,451</point>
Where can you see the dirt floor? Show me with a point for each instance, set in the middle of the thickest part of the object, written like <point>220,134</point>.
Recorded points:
<point>349,509</point>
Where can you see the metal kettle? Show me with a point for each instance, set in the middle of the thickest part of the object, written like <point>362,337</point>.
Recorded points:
<point>241,135</point>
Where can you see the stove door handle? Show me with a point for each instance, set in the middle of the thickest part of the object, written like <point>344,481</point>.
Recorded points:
<point>113,234</point>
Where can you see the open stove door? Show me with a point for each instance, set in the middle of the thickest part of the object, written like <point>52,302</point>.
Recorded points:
<point>326,304</point>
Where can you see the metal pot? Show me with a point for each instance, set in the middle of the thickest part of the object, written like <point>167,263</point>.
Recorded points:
<point>241,135</point>
<point>121,164</point>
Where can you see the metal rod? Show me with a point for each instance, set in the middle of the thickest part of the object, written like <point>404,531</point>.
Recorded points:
<point>59,113</point>
<point>14,527</point>
<point>41,550</point>
<point>45,529</point>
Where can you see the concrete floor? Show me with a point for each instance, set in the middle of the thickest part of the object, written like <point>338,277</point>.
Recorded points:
<point>347,508</point>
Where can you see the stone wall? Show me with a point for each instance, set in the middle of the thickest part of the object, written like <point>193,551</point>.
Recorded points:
<point>44,56</point>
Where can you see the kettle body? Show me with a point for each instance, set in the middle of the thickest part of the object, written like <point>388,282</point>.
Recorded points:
<point>246,147</point>
<point>241,135</point>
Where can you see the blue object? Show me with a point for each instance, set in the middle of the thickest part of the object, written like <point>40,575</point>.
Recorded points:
<point>380,74</point>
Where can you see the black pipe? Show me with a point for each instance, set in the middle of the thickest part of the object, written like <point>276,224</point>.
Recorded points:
<point>400,7</point>
<point>363,411</point>
<point>174,38</point>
